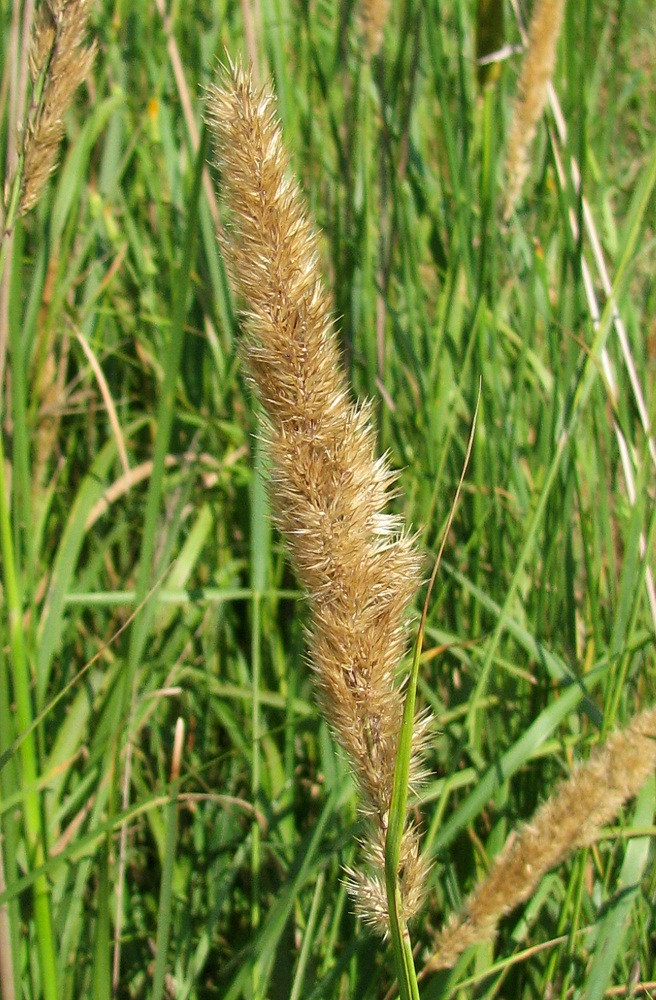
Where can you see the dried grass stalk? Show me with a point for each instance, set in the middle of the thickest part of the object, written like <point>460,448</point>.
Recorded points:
<point>534,80</point>
<point>358,565</point>
<point>59,63</point>
<point>570,819</point>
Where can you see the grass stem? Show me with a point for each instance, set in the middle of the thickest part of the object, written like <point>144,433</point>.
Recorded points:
<point>33,818</point>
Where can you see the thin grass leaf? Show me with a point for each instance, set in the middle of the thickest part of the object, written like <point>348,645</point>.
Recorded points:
<point>613,928</point>
<point>166,901</point>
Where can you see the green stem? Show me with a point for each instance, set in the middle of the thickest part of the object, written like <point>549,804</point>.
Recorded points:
<point>32,814</point>
<point>164,424</point>
<point>166,887</point>
<point>401,944</point>
<point>34,831</point>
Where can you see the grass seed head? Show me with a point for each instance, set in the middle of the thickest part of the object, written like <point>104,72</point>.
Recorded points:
<point>59,54</point>
<point>373,17</point>
<point>533,88</point>
<point>358,565</point>
<point>569,819</point>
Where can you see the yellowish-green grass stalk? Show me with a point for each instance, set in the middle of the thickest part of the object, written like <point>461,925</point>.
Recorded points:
<point>358,565</point>
<point>59,62</point>
<point>533,88</point>
<point>570,819</point>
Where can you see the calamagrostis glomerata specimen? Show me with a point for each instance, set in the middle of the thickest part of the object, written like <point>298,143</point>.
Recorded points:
<point>59,63</point>
<point>570,819</point>
<point>533,86</point>
<point>359,567</point>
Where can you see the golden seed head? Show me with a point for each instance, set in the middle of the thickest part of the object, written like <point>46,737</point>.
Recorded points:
<point>360,568</point>
<point>571,818</point>
<point>57,51</point>
<point>533,88</point>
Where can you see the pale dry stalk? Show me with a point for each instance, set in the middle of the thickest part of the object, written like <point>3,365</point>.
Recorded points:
<point>533,88</point>
<point>359,567</point>
<point>570,819</point>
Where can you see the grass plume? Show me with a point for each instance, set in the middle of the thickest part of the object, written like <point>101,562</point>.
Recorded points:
<point>59,62</point>
<point>536,74</point>
<point>358,565</point>
<point>571,818</point>
<point>372,19</point>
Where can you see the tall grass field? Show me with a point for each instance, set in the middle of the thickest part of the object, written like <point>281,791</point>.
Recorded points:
<point>182,810</point>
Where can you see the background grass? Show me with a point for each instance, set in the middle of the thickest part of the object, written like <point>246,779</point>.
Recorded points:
<point>153,587</point>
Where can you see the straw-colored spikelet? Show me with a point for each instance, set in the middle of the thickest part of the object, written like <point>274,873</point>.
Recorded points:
<point>372,18</point>
<point>359,567</point>
<point>570,819</point>
<point>534,80</point>
<point>59,63</point>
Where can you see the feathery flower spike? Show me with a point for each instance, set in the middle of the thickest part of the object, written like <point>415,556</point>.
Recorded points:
<point>534,80</point>
<point>358,565</point>
<point>59,63</point>
<point>570,819</point>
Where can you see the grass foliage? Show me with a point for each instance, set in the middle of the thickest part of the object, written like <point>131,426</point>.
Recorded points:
<point>151,586</point>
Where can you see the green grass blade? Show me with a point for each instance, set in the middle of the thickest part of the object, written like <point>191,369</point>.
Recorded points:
<point>166,885</point>
<point>515,758</point>
<point>164,424</point>
<point>305,866</point>
<point>614,926</point>
<point>308,940</point>
<point>32,813</point>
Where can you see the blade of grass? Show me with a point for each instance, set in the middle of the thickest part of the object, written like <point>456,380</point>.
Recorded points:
<point>164,423</point>
<point>308,939</point>
<point>101,971</point>
<point>165,892</point>
<point>263,947</point>
<point>503,769</point>
<point>401,945</point>
<point>260,543</point>
<point>51,623</point>
<point>568,422</point>
<point>614,926</point>
<point>142,624</point>
<point>32,814</point>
